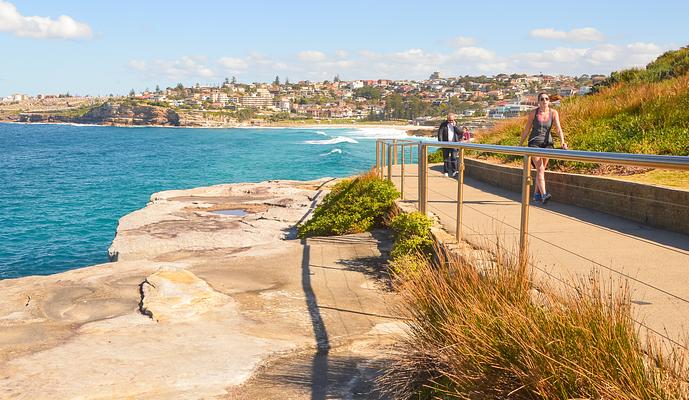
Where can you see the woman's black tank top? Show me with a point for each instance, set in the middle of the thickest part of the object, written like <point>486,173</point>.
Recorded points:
<point>540,131</point>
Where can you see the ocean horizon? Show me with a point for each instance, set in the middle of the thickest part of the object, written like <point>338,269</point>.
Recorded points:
<point>66,186</point>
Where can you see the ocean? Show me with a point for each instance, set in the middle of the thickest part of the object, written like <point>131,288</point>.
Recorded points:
<point>65,187</point>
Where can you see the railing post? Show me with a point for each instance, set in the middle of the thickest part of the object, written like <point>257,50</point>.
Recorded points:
<point>402,175</point>
<point>460,195</point>
<point>423,177</point>
<point>524,226</point>
<point>377,157</point>
<point>411,154</point>
<point>382,159</point>
<point>390,158</point>
<point>394,151</point>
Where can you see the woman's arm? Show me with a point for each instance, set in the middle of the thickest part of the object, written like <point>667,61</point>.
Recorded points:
<point>528,127</point>
<point>556,120</point>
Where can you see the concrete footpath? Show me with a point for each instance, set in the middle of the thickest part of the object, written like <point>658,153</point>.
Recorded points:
<point>567,242</point>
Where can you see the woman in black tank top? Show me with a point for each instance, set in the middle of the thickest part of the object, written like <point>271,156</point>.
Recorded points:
<point>538,127</point>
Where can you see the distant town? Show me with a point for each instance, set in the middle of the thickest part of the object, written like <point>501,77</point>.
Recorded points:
<point>415,102</point>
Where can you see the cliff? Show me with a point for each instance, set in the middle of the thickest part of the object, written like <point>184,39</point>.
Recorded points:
<point>126,114</point>
<point>111,113</point>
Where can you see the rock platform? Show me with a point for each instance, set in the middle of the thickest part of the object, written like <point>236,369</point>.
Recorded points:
<point>201,305</point>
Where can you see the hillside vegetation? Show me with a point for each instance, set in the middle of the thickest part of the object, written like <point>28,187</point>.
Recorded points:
<point>635,111</point>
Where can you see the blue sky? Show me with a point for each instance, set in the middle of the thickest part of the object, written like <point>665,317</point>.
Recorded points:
<point>97,48</point>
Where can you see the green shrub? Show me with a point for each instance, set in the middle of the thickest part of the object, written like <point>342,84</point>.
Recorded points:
<point>412,235</point>
<point>436,156</point>
<point>352,206</point>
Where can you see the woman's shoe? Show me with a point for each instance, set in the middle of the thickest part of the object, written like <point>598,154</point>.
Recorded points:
<point>537,197</point>
<point>545,198</point>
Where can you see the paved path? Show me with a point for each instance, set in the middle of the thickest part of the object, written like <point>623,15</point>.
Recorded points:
<point>567,241</point>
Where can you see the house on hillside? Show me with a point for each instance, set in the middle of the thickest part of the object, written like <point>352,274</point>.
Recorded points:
<point>566,91</point>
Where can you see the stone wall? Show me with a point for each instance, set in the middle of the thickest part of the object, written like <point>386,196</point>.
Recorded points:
<point>650,205</point>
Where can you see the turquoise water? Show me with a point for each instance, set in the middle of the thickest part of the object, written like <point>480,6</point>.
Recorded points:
<point>65,187</point>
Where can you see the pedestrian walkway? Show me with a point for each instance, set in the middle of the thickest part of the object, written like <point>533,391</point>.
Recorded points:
<point>567,242</point>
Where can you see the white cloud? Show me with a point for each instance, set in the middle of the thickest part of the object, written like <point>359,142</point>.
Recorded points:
<point>462,41</point>
<point>232,64</point>
<point>64,27</point>
<point>603,58</point>
<point>311,55</point>
<point>575,35</point>
<point>639,47</point>
<point>475,54</point>
<point>137,65</point>
<point>184,68</point>
<point>413,63</point>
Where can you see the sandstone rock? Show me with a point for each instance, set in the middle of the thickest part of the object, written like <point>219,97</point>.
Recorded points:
<point>173,222</point>
<point>126,114</point>
<point>173,294</point>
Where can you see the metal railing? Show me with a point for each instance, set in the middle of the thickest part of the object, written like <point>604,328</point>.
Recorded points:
<point>390,152</point>
<point>387,150</point>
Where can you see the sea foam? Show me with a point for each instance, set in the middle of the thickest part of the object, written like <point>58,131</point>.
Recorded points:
<point>333,151</point>
<point>335,140</point>
<point>378,133</point>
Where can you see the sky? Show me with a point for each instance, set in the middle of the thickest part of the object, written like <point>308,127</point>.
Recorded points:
<point>100,48</point>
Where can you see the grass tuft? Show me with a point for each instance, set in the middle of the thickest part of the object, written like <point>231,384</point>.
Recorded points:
<point>490,335</point>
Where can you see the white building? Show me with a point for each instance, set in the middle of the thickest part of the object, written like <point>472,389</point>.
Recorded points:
<point>584,90</point>
<point>262,98</point>
<point>16,97</point>
<point>282,104</point>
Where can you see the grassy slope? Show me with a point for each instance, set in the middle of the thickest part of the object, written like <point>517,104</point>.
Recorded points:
<point>639,111</point>
<point>650,118</point>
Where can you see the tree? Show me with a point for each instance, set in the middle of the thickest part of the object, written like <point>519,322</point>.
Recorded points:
<point>286,80</point>
<point>277,80</point>
<point>226,81</point>
<point>180,87</point>
<point>336,78</point>
<point>132,93</point>
<point>369,92</point>
<point>234,80</point>
<point>158,91</point>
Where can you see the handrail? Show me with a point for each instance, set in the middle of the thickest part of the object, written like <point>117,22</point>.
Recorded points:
<point>642,160</point>
<point>639,160</point>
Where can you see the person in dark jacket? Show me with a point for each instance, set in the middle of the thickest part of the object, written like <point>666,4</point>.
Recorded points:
<point>449,132</point>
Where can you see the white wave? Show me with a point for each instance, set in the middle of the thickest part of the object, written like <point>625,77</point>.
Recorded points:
<point>321,133</point>
<point>335,140</point>
<point>379,133</point>
<point>333,151</point>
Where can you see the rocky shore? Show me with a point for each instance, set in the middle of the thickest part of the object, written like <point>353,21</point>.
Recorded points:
<point>131,114</point>
<point>206,286</point>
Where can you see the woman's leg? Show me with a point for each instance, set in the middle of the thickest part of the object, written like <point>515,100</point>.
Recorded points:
<point>536,161</point>
<point>540,175</point>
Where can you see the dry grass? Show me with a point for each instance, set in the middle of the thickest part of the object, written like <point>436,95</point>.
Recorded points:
<point>646,118</point>
<point>663,177</point>
<point>491,336</point>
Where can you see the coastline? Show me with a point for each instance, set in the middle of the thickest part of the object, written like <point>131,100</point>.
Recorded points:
<point>188,284</point>
<point>406,128</point>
